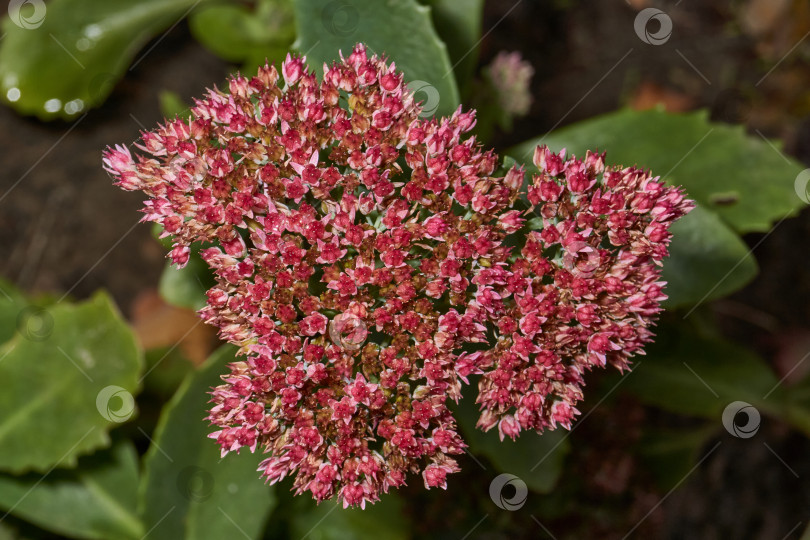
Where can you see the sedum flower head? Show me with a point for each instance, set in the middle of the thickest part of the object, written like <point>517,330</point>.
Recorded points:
<point>369,261</point>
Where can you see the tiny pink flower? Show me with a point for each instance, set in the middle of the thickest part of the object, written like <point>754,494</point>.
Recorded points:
<point>511,75</point>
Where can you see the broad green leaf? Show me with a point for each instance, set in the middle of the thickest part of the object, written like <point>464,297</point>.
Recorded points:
<point>238,33</point>
<point>13,312</point>
<point>9,532</point>
<point>458,23</point>
<point>707,260</point>
<point>166,369</point>
<point>740,177</point>
<point>74,51</point>
<point>24,315</point>
<point>64,388</point>
<point>535,459</point>
<point>670,454</point>
<point>95,500</point>
<point>798,405</point>
<point>696,376</point>
<point>489,112</point>
<point>185,287</point>
<point>157,230</point>
<point>172,105</point>
<point>401,30</point>
<point>12,528</point>
<point>330,521</point>
<point>186,490</point>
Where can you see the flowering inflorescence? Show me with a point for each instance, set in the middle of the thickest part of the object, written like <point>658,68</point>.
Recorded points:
<point>511,76</point>
<point>369,261</point>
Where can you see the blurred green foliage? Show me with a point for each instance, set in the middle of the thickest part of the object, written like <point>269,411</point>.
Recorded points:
<point>71,60</point>
<point>247,35</point>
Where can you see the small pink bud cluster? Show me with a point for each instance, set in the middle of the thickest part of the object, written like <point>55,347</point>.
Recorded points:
<point>365,267</point>
<point>511,76</point>
<point>583,291</point>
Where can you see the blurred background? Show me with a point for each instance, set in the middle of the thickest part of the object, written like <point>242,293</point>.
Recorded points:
<point>66,230</point>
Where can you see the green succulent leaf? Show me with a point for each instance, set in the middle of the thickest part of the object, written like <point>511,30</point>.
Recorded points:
<point>537,459</point>
<point>10,531</point>
<point>239,33</point>
<point>697,376</point>
<point>670,454</point>
<point>171,105</point>
<point>707,260</point>
<point>458,23</point>
<point>329,521</point>
<point>187,491</point>
<point>185,287</point>
<point>13,311</point>
<point>744,179</point>
<point>69,378</point>
<point>741,184</point>
<point>62,57</point>
<point>401,30</point>
<point>95,500</point>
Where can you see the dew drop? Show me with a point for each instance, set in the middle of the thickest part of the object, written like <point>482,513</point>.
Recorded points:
<point>93,31</point>
<point>83,44</point>
<point>13,94</point>
<point>53,105</point>
<point>74,106</point>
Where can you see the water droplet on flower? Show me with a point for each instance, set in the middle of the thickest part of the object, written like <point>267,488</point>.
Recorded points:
<point>348,331</point>
<point>53,105</point>
<point>74,106</point>
<point>13,94</point>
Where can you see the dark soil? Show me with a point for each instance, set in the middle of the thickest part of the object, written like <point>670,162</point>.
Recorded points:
<point>63,226</point>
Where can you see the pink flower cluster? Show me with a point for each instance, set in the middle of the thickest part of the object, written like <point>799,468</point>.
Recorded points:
<point>369,261</point>
<point>511,77</point>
